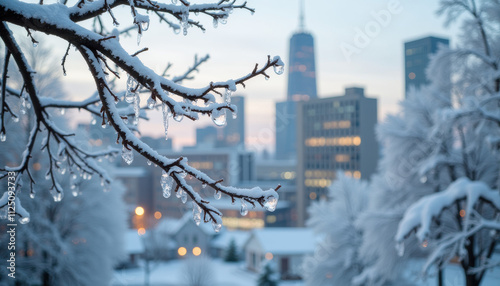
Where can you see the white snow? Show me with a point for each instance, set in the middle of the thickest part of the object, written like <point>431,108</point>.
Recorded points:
<point>285,240</point>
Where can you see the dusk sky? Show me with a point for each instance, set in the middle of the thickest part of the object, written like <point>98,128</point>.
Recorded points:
<point>247,39</point>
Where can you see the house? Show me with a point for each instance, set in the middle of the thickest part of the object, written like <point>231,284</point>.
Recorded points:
<point>220,244</point>
<point>134,249</point>
<point>189,238</point>
<point>285,246</point>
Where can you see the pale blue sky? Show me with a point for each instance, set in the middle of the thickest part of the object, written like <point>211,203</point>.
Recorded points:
<point>247,39</point>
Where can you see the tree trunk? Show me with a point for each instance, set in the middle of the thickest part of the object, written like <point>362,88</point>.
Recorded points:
<point>440,277</point>
<point>45,273</point>
<point>470,280</point>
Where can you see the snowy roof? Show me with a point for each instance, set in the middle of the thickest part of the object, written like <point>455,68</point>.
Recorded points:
<point>284,240</point>
<point>172,226</point>
<point>223,240</point>
<point>133,243</point>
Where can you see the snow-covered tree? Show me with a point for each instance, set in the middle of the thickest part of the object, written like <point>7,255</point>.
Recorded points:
<point>336,260</point>
<point>461,219</point>
<point>108,60</point>
<point>269,275</point>
<point>76,241</point>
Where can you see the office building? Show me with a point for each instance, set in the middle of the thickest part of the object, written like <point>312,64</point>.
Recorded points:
<point>417,58</point>
<point>335,133</point>
<point>234,131</point>
<point>301,87</point>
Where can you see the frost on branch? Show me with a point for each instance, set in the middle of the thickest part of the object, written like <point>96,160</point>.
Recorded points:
<point>107,60</point>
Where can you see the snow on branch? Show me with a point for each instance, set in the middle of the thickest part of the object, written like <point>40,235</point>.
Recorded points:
<point>101,49</point>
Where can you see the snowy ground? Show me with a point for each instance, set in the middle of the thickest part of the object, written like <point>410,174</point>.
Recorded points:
<point>231,274</point>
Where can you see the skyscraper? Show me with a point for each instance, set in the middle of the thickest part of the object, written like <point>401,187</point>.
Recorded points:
<point>335,133</point>
<point>234,132</point>
<point>301,87</point>
<point>417,58</point>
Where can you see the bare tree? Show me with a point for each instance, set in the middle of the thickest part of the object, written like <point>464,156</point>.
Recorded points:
<point>102,51</point>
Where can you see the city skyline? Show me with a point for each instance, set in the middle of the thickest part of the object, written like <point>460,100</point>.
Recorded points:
<point>378,67</point>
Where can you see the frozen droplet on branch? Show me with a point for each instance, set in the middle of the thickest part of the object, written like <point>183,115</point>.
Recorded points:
<point>24,220</point>
<point>178,117</point>
<point>244,208</point>
<point>217,195</point>
<point>15,119</point>
<point>216,226</point>
<point>235,115</point>
<point>166,183</point>
<point>56,195</point>
<point>32,194</point>
<point>227,96</point>
<point>270,203</point>
<point>219,117</point>
<point>151,103</point>
<point>215,22</point>
<point>279,69</point>
<point>75,192</point>
<point>149,162</point>
<point>137,109</point>
<point>93,121</point>
<point>3,137</point>
<point>63,111</point>
<point>139,35</point>
<point>196,214</point>
<point>127,155</point>
<point>184,197</point>
<point>145,25</point>
<point>204,185</point>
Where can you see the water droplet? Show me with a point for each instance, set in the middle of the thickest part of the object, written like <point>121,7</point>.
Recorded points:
<point>279,69</point>
<point>204,185</point>
<point>217,195</point>
<point>35,44</point>
<point>151,103</point>
<point>270,203</point>
<point>56,195</point>
<point>400,248</point>
<point>3,137</point>
<point>47,176</point>
<point>425,243</point>
<point>149,162</point>
<point>15,119</point>
<point>166,183</point>
<point>32,194</point>
<point>184,197</point>
<point>244,208</point>
<point>145,26</point>
<point>103,125</point>
<point>235,115</point>
<point>215,22</point>
<point>127,155</point>
<point>75,192</point>
<point>219,117</point>
<point>223,20</point>
<point>63,111</point>
<point>196,13</point>
<point>216,226</point>
<point>24,220</point>
<point>184,31</point>
<point>177,30</point>
<point>93,121</point>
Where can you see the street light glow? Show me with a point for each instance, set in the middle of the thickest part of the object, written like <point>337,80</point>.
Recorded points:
<point>139,211</point>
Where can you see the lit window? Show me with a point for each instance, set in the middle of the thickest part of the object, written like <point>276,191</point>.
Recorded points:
<point>356,174</point>
<point>196,251</point>
<point>269,256</point>
<point>356,141</point>
<point>313,196</point>
<point>182,251</point>
<point>271,219</point>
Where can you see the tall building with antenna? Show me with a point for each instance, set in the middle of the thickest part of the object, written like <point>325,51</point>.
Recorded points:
<point>301,87</point>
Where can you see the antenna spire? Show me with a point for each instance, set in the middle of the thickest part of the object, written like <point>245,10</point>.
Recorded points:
<point>301,16</point>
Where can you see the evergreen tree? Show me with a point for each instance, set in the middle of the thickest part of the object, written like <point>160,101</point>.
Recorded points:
<point>231,252</point>
<point>269,275</point>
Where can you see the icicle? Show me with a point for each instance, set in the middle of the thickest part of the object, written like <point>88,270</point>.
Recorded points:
<point>215,23</point>
<point>179,193</point>
<point>127,155</point>
<point>227,96</point>
<point>244,208</point>
<point>137,109</point>
<point>139,35</point>
<point>184,197</point>
<point>216,226</point>
<point>196,214</point>
<point>130,95</point>
<point>165,111</point>
<point>219,117</point>
<point>270,203</point>
<point>151,103</point>
<point>217,195</point>
<point>3,137</point>
<point>184,22</point>
<point>56,195</point>
<point>400,248</point>
<point>145,25</point>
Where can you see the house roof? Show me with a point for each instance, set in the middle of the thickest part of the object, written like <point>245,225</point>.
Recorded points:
<point>172,226</point>
<point>222,241</point>
<point>284,240</point>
